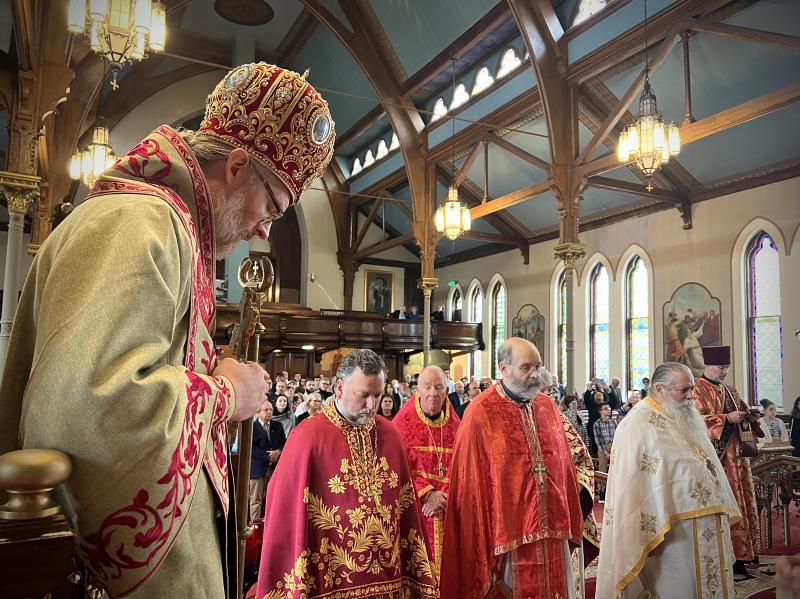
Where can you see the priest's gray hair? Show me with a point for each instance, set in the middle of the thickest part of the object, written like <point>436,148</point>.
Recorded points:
<point>208,149</point>
<point>505,354</point>
<point>367,360</point>
<point>665,374</point>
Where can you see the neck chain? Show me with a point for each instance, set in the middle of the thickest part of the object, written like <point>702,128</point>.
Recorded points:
<point>440,469</point>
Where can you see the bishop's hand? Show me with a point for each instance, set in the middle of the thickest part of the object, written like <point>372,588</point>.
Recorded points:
<point>435,504</point>
<point>249,384</point>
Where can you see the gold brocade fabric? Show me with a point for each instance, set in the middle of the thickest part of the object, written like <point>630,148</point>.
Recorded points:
<point>342,519</point>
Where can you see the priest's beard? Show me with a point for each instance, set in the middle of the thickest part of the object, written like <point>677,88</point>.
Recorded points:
<point>687,423</point>
<point>229,219</point>
<point>526,388</point>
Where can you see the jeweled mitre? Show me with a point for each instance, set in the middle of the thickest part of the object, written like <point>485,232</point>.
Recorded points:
<point>278,117</point>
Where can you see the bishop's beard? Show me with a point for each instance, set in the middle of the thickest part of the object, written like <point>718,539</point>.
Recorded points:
<point>229,220</point>
<point>687,423</point>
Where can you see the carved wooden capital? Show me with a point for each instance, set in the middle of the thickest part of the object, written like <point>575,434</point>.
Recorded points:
<point>570,253</point>
<point>19,190</point>
<point>428,284</point>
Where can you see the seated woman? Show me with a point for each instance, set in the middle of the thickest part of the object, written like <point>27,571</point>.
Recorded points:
<point>775,432</point>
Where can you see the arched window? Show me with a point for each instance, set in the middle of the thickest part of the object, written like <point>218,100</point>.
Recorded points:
<point>439,110</point>
<point>508,63</point>
<point>587,8</point>
<point>460,96</point>
<point>483,80</point>
<point>476,315</point>
<point>562,329</point>
<point>369,159</point>
<point>598,330</point>
<point>456,304</point>
<point>498,324</point>
<point>356,166</point>
<point>637,322</point>
<point>764,319</point>
<point>382,150</point>
<point>395,142</point>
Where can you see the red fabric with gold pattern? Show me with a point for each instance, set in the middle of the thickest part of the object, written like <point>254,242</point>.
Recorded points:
<point>429,447</point>
<point>710,402</point>
<point>276,116</point>
<point>496,506</point>
<point>341,519</point>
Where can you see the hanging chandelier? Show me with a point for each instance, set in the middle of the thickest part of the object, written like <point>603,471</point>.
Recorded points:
<point>88,165</point>
<point>120,31</point>
<point>452,218</point>
<point>649,142</point>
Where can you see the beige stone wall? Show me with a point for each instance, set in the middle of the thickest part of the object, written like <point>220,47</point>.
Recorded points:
<point>710,254</point>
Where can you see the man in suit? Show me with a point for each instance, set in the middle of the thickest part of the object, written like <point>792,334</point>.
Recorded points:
<point>615,394</point>
<point>457,397</point>
<point>268,442</point>
<point>473,390</point>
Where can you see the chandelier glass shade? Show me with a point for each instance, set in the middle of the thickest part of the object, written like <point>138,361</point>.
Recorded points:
<point>649,142</point>
<point>452,217</point>
<point>120,31</point>
<point>88,165</point>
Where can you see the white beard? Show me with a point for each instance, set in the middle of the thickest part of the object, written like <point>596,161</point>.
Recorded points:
<point>229,220</point>
<point>688,424</point>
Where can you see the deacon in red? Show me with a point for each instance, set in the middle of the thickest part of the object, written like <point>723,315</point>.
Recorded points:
<point>428,426</point>
<point>342,519</point>
<point>516,507</point>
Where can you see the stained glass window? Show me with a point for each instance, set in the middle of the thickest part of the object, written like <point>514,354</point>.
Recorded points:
<point>598,334</point>
<point>638,323</point>
<point>562,329</point>
<point>456,303</point>
<point>476,309</point>
<point>498,324</point>
<point>764,315</point>
<point>587,8</point>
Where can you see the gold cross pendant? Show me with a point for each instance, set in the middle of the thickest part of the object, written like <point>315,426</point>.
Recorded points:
<point>540,470</point>
<point>440,469</point>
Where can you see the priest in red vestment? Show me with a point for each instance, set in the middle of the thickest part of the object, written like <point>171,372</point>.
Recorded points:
<point>515,502</point>
<point>428,425</point>
<point>728,420</point>
<point>342,519</point>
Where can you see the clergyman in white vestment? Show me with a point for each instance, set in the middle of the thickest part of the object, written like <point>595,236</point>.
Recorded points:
<point>669,506</point>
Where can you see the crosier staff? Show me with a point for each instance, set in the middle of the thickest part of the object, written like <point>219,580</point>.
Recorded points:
<point>255,277</point>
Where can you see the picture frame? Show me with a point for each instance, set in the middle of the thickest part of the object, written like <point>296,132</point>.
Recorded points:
<point>692,320</point>
<point>378,291</point>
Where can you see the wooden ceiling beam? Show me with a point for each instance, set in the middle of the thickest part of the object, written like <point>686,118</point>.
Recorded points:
<point>204,50</point>
<point>631,42</point>
<point>465,42</point>
<point>759,177</point>
<point>383,246</point>
<point>511,199</point>
<point>518,152</point>
<point>490,237</point>
<point>725,119</point>
<point>365,227</point>
<point>462,172</point>
<point>757,36</point>
<point>299,33</point>
<point>636,189</point>
<point>398,203</point>
<point>360,127</point>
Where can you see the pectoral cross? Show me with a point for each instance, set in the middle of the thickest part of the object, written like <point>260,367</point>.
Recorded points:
<point>440,469</point>
<point>540,469</point>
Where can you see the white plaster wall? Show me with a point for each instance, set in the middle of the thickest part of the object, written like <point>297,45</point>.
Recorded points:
<point>319,246</point>
<point>704,254</point>
<point>172,104</point>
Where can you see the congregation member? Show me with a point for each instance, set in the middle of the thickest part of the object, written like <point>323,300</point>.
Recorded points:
<point>344,476</point>
<point>313,406</point>
<point>387,407</point>
<point>796,428</point>
<point>604,430</point>
<point>457,397</point>
<point>515,506</point>
<point>268,442</point>
<point>774,429</point>
<point>669,507</point>
<point>428,425</point>
<point>593,398</point>
<point>283,414</point>
<point>473,390</point>
<point>729,423</point>
<point>615,394</point>
<point>645,388</point>
<point>569,406</point>
<point>129,312</point>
